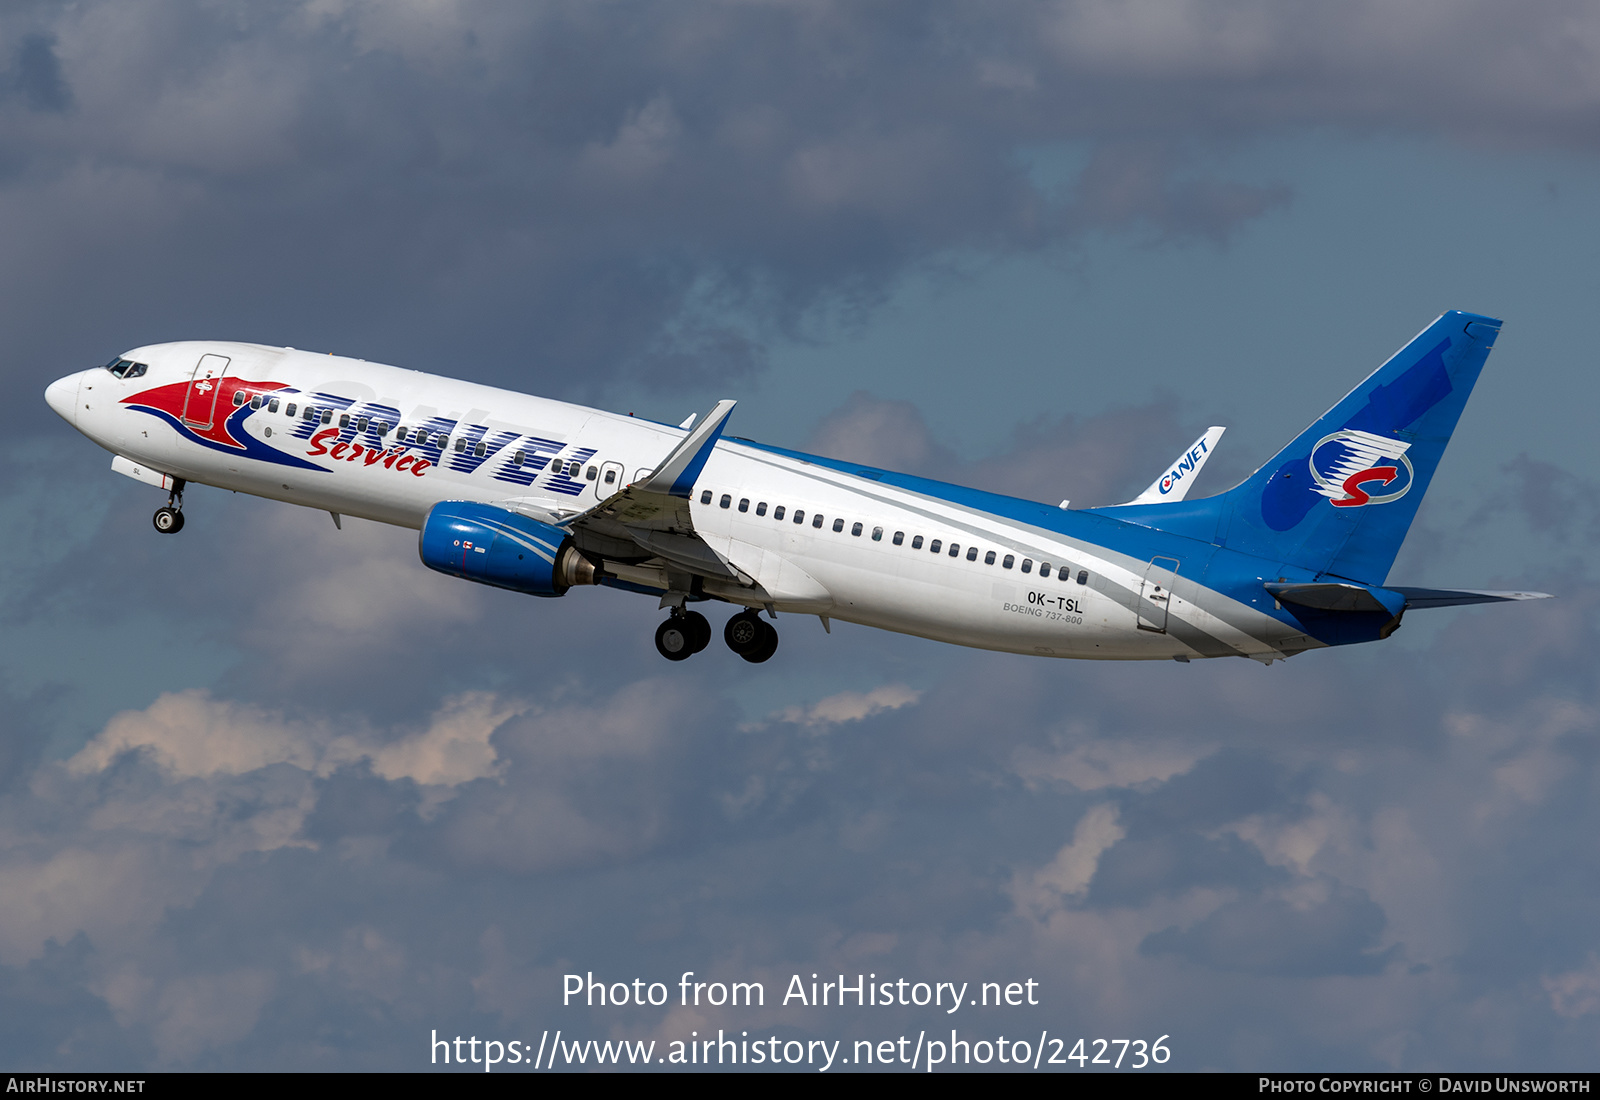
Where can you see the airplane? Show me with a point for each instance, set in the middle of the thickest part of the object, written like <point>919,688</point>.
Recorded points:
<point>540,497</point>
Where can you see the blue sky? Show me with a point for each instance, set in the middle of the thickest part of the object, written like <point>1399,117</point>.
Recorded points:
<point>273,795</point>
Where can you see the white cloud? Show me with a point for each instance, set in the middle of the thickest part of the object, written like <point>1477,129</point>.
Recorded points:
<point>848,706</point>
<point>642,146</point>
<point>1067,876</point>
<point>1109,762</point>
<point>196,1013</point>
<point>191,735</point>
<point>1576,992</point>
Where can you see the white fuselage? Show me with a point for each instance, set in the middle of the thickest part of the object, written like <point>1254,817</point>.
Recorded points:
<point>870,562</point>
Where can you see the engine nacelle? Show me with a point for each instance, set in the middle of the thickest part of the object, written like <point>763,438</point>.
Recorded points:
<point>491,545</point>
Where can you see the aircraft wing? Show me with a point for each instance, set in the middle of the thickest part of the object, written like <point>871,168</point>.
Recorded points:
<point>652,515</point>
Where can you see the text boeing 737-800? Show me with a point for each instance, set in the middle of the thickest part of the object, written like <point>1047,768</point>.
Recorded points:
<point>540,496</point>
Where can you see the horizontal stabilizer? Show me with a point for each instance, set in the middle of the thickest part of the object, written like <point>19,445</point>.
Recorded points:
<point>1455,597</point>
<point>1174,484</point>
<point>1330,596</point>
<point>677,474</point>
<point>1345,596</point>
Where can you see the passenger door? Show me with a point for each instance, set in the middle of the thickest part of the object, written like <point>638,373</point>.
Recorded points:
<point>200,400</point>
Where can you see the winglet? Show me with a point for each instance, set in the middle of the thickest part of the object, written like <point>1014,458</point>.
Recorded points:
<point>676,476</point>
<point>1175,483</point>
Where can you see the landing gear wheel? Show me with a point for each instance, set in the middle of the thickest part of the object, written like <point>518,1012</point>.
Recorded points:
<point>743,632</point>
<point>699,630</point>
<point>674,639</point>
<point>169,521</point>
<point>768,646</point>
<point>751,637</point>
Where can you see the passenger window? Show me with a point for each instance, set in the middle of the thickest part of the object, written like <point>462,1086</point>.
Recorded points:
<point>255,402</point>
<point>988,559</point>
<point>761,509</point>
<point>239,398</point>
<point>327,417</point>
<point>916,543</point>
<point>955,549</point>
<point>344,420</point>
<point>361,424</point>
<point>877,534</point>
<point>1083,576</point>
<point>855,529</point>
<point>726,501</point>
<point>899,538</point>
<point>744,504</point>
<point>838,525</point>
<point>935,546</point>
<point>816,520</point>
<point>309,415</point>
<point>705,497</point>
<point>972,553</point>
<point>522,456</point>
<point>1027,565</point>
<point>461,445</point>
<point>289,412</point>
<point>777,513</point>
<point>383,427</point>
<point>1044,568</point>
<point>272,406</point>
<point>588,475</point>
<point>799,515</point>
<point>611,479</point>
<point>1011,560</point>
<point>478,451</point>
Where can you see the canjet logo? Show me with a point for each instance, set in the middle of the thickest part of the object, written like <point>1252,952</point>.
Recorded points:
<point>1354,468</point>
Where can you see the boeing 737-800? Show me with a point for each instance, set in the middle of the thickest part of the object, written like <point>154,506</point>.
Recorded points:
<point>540,497</point>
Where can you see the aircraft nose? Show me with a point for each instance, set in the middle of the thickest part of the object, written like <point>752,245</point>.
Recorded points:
<point>62,396</point>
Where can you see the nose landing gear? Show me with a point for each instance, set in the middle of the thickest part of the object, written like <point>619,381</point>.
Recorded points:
<point>751,637</point>
<point>682,634</point>
<point>169,519</point>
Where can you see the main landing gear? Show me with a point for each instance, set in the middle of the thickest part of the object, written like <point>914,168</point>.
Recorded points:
<point>169,519</point>
<point>751,637</point>
<point>684,633</point>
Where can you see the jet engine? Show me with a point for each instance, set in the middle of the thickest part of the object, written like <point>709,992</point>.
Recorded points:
<point>491,545</point>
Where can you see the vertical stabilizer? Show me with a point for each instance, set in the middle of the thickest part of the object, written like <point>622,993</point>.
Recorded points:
<point>1340,498</point>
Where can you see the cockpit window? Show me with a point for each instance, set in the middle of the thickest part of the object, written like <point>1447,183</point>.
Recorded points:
<point>126,368</point>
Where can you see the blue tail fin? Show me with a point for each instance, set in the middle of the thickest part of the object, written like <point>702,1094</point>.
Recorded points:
<point>1340,498</point>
